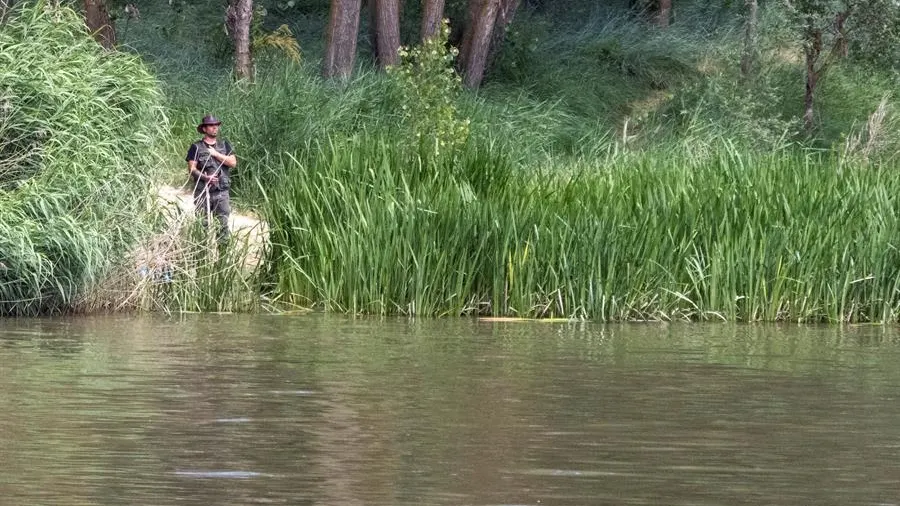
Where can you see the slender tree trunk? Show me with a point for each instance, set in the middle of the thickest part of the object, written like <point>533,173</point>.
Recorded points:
<point>812,79</point>
<point>387,32</point>
<point>816,70</point>
<point>476,42</point>
<point>369,5</point>
<point>485,30</point>
<point>96,18</point>
<point>5,7</point>
<point>663,13</point>
<point>813,51</point>
<point>750,51</point>
<point>340,39</point>
<point>432,13</point>
<point>842,45</point>
<point>465,40</point>
<point>239,17</point>
<point>504,18</point>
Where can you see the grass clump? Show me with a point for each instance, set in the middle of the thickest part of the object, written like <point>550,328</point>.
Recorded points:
<point>183,268</point>
<point>80,129</point>
<point>783,236</point>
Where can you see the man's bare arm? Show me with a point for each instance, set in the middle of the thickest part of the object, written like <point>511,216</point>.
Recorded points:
<point>195,172</point>
<point>227,160</point>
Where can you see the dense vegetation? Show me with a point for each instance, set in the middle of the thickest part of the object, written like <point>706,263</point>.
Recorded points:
<point>607,169</point>
<point>79,131</point>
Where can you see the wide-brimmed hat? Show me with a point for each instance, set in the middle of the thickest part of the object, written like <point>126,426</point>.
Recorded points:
<point>206,121</point>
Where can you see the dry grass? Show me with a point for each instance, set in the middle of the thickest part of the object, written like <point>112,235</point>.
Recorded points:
<point>173,256</point>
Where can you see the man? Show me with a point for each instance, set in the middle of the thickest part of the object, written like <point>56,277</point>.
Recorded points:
<point>210,161</point>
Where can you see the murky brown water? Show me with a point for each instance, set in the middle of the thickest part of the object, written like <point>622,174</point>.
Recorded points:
<point>221,410</point>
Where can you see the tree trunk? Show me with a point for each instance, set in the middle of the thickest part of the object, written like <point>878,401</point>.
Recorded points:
<point>663,13</point>
<point>432,13</point>
<point>5,7</point>
<point>812,80</point>
<point>484,31</point>
<point>369,5</point>
<point>750,50</point>
<point>476,42</point>
<point>504,18</point>
<point>340,39</point>
<point>239,17</point>
<point>813,50</point>
<point>96,18</point>
<point>387,32</point>
<point>814,47</point>
<point>842,45</point>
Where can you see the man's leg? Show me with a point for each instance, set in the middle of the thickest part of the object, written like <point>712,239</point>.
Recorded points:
<point>202,207</point>
<point>220,204</point>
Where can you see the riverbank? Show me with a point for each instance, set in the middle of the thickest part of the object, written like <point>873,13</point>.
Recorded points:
<point>249,233</point>
<point>181,267</point>
<point>401,193</point>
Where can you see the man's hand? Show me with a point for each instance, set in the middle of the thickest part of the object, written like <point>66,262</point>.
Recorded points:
<point>213,180</point>
<point>227,160</point>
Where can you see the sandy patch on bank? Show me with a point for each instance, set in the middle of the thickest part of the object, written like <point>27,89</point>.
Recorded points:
<point>132,283</point>
<point>247,230</point>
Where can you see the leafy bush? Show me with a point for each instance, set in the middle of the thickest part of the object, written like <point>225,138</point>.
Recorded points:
<point>429,88</point>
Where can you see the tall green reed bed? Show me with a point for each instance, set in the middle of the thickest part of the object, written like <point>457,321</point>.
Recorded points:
<point>788,236</point>
<point>79,128</point>
<point>203,276</point>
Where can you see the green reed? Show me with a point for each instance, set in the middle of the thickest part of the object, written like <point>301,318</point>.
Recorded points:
<point>795,236</point>
<point>201,275</point>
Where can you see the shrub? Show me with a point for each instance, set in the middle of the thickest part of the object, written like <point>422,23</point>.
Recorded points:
<point>428,89</point>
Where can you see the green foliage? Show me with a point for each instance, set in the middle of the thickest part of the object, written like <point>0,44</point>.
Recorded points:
<point>879,42</point>
<point>602,72</point>
<point>857,97</point>
<point>429,88</point>
<point>666,235</point>
<point>522,41</point>
<point>587,74</point>
<point>281,39</point>
<point>759,113</point>
<point>611,170</point>
<point>80,127</point>
<point>872,27</point>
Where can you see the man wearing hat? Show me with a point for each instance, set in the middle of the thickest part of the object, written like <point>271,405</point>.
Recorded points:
<point>210,161</point>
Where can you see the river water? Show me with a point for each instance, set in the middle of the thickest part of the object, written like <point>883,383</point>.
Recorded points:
<point>314,409</point>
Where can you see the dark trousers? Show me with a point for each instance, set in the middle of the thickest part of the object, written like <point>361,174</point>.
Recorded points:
<point>217,204</point>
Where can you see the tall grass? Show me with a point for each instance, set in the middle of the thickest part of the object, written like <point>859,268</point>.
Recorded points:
<point>785,236</point>
<point>80,127</point>
<point>183,268</point>
<point>613,171</point>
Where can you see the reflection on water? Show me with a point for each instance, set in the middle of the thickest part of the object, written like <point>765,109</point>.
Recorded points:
<point>327,410</point>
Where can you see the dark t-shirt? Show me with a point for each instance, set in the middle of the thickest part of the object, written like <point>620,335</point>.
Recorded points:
<point>208,165</point>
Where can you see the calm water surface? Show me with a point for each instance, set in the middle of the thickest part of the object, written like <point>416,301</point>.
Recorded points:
<point>221,410</point>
